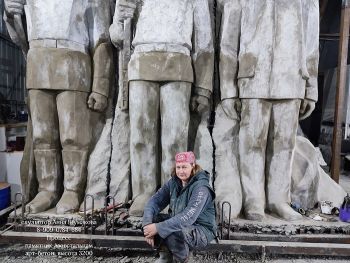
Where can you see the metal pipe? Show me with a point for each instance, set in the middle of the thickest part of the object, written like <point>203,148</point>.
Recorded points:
<point>341,82</point>
<point>223,219</point>
<point>106,214</point>
<point>92,211</point>
<point>22,208</point>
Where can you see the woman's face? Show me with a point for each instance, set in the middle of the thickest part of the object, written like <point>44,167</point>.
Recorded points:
<point>183,171</point>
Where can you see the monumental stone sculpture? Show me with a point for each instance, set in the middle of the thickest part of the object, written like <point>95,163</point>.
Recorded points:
<point>226,127</point>
<point>69,66</point>
<point>268,60</point>
<point>172,50</point>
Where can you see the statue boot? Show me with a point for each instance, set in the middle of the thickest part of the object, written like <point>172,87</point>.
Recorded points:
<point>285,211</point>
<point>75,173</point>
<point>254,210</point>
<point>49,175</point>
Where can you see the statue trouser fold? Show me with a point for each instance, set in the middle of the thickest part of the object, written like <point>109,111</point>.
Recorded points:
<point>49,175</point>
<point>150,101</point>
<point>266,144</point>
<point>227,181</point>
<point>74,167</point>
<point>61,120</point>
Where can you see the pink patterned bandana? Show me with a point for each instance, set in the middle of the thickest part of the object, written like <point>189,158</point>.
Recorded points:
<point>185,157</point>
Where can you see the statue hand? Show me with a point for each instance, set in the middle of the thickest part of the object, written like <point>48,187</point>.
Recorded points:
<point>232,108</point>
<point>126,9</point>
<point>14,7</point>
<point>116,34</point>
<point>97,102</point>
<point>199,104</point>
<point>306,108</point>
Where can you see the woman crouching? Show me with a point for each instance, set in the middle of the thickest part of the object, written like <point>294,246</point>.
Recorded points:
<point>190,222</point>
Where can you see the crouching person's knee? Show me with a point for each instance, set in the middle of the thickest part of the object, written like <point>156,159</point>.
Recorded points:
<point>195,238</point>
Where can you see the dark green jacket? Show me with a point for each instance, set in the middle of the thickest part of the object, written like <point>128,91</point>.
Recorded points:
<point>178,198</point>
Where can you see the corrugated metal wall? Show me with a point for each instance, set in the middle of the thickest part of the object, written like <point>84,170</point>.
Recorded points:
<point>12,71</point>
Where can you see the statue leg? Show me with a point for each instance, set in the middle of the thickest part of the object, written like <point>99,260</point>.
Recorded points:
<point>227,181</point>
<point>75,134</point>
<point>46,150</point>
<point>254,126</point>
<point>279,157</point>
<point>144,114</point>
<point>175,119</point>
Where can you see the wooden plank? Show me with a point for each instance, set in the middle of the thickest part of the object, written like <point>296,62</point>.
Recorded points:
<point>230,246</point>
<point>340,93</point>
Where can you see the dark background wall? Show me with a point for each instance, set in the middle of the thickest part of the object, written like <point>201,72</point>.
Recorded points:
<point>12,76</point>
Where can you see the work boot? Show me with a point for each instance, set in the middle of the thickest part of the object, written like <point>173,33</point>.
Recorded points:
<point>285,211</point>
<point>75,173</point>
<point>164,257</point>
<point>49,175</point>
<point>189,259</point>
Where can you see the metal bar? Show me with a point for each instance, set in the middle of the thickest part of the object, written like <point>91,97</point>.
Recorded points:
<point>7,229</point>
<point>306,238</point>
<point>22,202</point>
<point>223,219</point>
<point>106,214</point>
<point>341,82</point>
<point>92,211</point>
<point>113,216</point>
<point>22,209</point>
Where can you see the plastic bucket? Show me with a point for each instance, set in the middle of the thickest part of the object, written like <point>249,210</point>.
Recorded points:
<point>5,195</point>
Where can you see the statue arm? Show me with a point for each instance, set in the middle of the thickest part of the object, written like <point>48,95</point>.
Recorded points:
<point>15,24</point>
<point>101,52</point>
<point>312,51</point>
<point>229,48</point>
<point>203,50</point>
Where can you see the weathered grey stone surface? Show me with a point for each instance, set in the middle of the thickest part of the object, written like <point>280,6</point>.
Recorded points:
<point>68,77</point>
<point>97,170</point>
<point>276,81</point>
<point>129,154</point>
<point>203,146</point>
<point>227,182</point>
<point>120,162</point>
<point>160,74</point>
<point>310,183</point>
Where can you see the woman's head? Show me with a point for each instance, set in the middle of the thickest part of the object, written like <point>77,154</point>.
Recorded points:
<point>185,166</point>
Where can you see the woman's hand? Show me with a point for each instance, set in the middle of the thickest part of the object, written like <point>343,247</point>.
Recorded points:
<point>150,231</point>
<point>150,241</point>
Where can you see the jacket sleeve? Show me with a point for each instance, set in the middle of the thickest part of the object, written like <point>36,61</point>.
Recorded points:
<point>156,204</point>
<point>99,19</point>
<point>202,49</point>
<point>229,48</point>
<point>312,50</point>
<point>199,199</point>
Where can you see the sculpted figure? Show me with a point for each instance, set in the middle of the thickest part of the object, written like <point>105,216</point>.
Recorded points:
<point>68,73</point>
<point>270,63</point>
<point>173,50</point>
<point>225,132</point>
